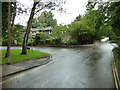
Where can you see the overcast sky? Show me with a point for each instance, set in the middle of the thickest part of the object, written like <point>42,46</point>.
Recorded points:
<point>73,9</point>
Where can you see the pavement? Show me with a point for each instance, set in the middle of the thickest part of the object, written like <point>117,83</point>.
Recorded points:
<point>11,69</point>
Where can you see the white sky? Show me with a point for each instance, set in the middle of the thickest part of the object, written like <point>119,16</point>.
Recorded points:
<point>73,9</point>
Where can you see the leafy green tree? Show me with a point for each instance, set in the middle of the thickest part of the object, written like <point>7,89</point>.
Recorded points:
<point>5,18</point>
<point>29,25</point>
<point>114,19</point>
<point>37,6</point>
<point>17,33</point>
<point>59,31</point>
<point>44,20</point>
<point>10,13</point>
<point>40,38</point>
<point>84,31</point>
<point>101,18</point>
<point>80,33</point>
<point>107,21</point>
<point>78,18</point>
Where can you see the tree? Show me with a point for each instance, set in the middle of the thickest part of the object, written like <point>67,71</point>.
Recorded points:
<point>17,34</point>
<point>10,27</point>
<point>78,18</point>
<point>40,38</point>
<point>9,33</point>
<point>41,6</point>
<point>44,20</point>
<point>5,20</point>
<point>59,31</point>
<point>81,32</point>
<point>15,9</point>
<point>114,19</point>
<point>26,36</point>
<point>101,18</point>
<point>107,21</point>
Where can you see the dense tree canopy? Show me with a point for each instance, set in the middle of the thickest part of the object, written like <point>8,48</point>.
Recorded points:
<point>114,19</point>
<point>59,31</point>
<point>101,19</point>
<point>78,18</point>
<point>44,20</point>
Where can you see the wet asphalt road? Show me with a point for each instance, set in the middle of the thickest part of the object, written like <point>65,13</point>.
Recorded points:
<point>72,68</point>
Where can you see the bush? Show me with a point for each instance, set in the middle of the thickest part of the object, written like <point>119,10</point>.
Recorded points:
<point>57,41</point>
<point>19,43</point>
<point>116,52</point>
<point>114,41</point>
<point>4,42</point>
<point>40,38</point>
<point>48,41</point>
<point>31,42</point>
<point>71,42</point>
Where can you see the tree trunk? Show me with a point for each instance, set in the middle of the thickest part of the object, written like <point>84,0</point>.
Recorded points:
<point>13,17</point>
<point>9,33</point>
<point>29,25</point>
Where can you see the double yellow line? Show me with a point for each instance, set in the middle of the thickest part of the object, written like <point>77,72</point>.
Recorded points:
<point>115,74</point>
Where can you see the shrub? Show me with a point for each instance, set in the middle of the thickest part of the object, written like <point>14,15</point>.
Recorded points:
<point>4,42</point>
<point>47,41</point>
<point>57,41</point>
<point>71,42</point>
<point>40,38</point>
<point>31,42</point>
<point>116,52</point>
<point>19,43</point>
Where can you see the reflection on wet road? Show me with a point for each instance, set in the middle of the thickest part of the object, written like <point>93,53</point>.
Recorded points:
<point>72,68</point>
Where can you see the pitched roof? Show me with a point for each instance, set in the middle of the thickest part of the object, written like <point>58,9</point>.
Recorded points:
<point>42,29</point>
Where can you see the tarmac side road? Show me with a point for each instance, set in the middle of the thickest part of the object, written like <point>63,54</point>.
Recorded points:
<point>72,68</point>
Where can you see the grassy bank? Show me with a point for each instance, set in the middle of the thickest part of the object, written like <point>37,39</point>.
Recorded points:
<point>116,52</point>
<point>17,57</point>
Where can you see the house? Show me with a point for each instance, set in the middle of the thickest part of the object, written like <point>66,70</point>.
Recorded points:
<point>47,31</point>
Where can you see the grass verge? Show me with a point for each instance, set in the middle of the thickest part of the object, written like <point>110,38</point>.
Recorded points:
<point>116,52</point>
<point>17,57</point>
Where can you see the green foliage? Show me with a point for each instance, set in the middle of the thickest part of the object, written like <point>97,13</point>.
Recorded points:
<point>108,19</point>
<point>116,52</point>
<point>39,27</point>
<point>114,19</point>
<point>59,31</point>
<point>17,57</point>
<point>80,31</point>
<point>44,20</point>
<point>101,19</point>
<point>31,42</point>
<point>40,38</point>
<point>57,41</point>
<point>19,43</point>
<point>5,20</point>
<point>16,35</point>
<point>71,42</point>
<point>84,31</point>
<point>78,18</point>
<point>4,41</point>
